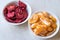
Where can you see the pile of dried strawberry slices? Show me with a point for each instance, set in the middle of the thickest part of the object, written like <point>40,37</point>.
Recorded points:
<point>15,12</point>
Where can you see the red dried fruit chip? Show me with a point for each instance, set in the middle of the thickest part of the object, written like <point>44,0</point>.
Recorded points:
<point>22,5</point>
<point>25,13</point>
<point>10,15</point>
<point>19,16</point>
<point>11,7</point>
<point>13,18</point>
<point>8,19</point>
<point>22,19</point>
<point>25,16</point>
<point>5,11</point>
<point>18,10</point>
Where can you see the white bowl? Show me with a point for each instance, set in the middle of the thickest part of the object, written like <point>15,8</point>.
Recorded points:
<point>53,34</point>
<point>29,13</point>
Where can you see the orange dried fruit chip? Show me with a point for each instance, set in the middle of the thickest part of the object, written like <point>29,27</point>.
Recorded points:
<point>45,14</point>
<point>52,18</point>
<point>33,19</point>
<point>38,30</point>
<point>34,25</point>
<point>50,29</point>
<point>54,26</point>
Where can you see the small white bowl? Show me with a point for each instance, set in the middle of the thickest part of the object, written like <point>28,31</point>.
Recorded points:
<point>29,13</point>
<point>53,34</point>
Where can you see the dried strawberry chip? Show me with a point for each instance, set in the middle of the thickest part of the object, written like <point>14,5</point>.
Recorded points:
<point>5,11</point>
<point>18,10</point>
<point>22,20</point>
<point>13,18</point>
<point>11,7</point>
<point>10,15</point>
<point>25,13</point>
<point>9,19</point>
<point>19,16</point>
<point>22,5</point>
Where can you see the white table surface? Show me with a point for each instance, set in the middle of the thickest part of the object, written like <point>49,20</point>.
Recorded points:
<point>10,32</point>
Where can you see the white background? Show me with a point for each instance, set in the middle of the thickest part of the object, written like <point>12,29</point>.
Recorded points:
<point>9,32</point>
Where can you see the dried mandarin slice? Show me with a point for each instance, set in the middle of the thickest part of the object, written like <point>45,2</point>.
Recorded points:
<point>34,25</point>
<point>50,29</point>
<point>39,14</point>
<point>45,14</point>
<point>45,27</point>
<point>42,29</point>
<point>42,26</point>
<point>39,22</point>
<point>43,33</point>
<point>33,19</point>
<point>46,21</point>
<point>39,26</point>
<point>52,18</point>
<point>54,25</point>
<point>37,30</point>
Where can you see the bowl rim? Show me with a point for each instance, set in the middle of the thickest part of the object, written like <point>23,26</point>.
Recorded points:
<point>29,13</point>
<point>55,32</point>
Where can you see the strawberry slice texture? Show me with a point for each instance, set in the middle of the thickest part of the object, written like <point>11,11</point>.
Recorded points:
<point>22,5</point>
<point>18,10</point>
<point>19,16</point>
<point>10,15</point>
<point>25,13</point>
<point>11,7</point>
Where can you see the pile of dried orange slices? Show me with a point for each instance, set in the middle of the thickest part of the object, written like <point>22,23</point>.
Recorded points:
<point>42,23</point>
